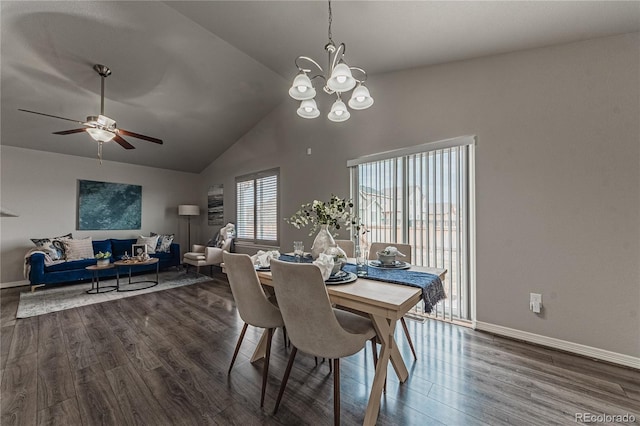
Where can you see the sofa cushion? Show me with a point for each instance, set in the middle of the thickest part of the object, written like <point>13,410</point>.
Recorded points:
<point>78,249</point>
<point>52,246</point>
<point>121,246</point>
<point>103,246</point>
<point>194,256</point>
<point>164,242</point>
<point>70,265</point>
<point>150,242</point>
<point>163,256</point>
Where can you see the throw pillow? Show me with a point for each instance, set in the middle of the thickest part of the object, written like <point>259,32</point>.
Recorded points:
<point>78,249</point>
<point>151,243</point>
<point>53,246</point>
<point>164,242</point>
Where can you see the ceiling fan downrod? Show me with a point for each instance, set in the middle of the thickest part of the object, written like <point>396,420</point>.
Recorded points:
<point>104,72</point>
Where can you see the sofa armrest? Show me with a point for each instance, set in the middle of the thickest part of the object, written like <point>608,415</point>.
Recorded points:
<point>174,249</point>
<point>36,268</point>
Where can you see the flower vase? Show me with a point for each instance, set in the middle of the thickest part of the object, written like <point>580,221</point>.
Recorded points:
<point>323,241</point>
<point>103,262</point>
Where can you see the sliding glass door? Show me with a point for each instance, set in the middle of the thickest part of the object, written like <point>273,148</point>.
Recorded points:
<point>422,196</point>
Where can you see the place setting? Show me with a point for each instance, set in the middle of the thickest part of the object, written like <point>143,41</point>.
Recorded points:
<point>387,259</point>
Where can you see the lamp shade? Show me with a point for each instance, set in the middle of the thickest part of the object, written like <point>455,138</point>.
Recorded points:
<point>360,98</point>
<point>301,89</point>
<point>339,112</point>
<point>188,210</point>
<point>308,109</point>
<point>341,79</point>
<point>100,135</point>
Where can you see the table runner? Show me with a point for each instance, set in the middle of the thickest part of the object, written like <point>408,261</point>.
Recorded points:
<point>431,284</point>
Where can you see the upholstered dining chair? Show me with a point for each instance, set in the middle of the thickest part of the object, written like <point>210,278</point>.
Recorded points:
<point>406,250</point>
<point>313,326</point>
<point>253,306</point>
<point>348,246</point>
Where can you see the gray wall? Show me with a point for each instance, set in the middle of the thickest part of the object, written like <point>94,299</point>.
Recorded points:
<point>42,188</point>
<point>558,182</point>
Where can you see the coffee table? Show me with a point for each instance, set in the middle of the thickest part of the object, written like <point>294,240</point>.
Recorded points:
<point>129,263</point>
<point>95,279</point>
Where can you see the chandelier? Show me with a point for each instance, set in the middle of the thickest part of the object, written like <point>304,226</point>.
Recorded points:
<point>338,80</point>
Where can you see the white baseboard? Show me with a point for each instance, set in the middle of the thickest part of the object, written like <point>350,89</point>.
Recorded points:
<point>14,284</point>
<point>563,345</point>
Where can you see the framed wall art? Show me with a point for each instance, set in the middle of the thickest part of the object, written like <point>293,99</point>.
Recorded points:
<point>109,206</point>
<point>215,205</point>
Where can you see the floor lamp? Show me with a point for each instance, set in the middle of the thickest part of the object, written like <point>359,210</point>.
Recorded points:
<point>188,210</point>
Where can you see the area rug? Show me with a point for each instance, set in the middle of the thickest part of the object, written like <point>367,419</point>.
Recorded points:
<point>46,300</point>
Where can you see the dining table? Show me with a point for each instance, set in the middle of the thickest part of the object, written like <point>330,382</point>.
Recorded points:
<point>385,303</point>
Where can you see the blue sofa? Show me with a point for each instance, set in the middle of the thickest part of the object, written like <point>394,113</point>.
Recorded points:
<point>74,271</point>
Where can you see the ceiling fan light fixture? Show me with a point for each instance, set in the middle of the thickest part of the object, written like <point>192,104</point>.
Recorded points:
<point>100,135</point>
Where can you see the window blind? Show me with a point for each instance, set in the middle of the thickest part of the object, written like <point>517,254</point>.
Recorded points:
<point>257,207</point>
<point>422,196</point>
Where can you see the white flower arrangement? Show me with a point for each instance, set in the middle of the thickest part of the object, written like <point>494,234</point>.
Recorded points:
<point>334,213</point>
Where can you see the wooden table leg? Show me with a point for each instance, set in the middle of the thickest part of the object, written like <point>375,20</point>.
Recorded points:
<point>398,363</point>
<point>261,350</point>
<point>385,329</point>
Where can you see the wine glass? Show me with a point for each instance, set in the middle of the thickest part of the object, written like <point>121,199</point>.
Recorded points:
<point>298,250</point>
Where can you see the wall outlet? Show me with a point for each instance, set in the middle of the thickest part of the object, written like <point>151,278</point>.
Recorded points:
<point>535,302</point>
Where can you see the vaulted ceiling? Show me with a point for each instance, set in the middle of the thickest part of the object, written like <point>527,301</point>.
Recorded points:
<point>201,74</point>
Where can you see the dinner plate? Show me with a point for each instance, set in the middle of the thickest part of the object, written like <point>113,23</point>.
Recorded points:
<point>398,264</point>
<point>342,277</point>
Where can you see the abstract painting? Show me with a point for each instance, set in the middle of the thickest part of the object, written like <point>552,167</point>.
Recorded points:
<point>106,205</point>
<point>215,205</point>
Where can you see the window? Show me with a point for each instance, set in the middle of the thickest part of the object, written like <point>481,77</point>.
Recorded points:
<point>423,196</point>
<point>257,207</point>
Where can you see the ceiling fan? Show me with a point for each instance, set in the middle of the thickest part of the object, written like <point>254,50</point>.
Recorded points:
<point>101,128</point>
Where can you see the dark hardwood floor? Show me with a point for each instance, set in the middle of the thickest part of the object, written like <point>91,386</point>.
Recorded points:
<point>161,358</point>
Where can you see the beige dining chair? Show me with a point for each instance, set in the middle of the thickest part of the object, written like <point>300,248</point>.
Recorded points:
<point>313,326</point>
<point>348,246</point>
<point>406,250</point>
<point>253,305</point>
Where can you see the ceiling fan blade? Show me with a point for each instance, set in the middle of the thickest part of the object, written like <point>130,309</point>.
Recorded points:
<point>49,115</point>
<point>139,136</point>
<point>69,132</point>
<point>123,143</point>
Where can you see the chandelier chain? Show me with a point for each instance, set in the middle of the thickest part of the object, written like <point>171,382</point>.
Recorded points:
<point>330,20</point>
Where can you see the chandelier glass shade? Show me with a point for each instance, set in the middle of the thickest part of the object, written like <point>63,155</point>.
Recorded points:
<point>338,79</point>
<point>308,109</point>
<point>339,112</point>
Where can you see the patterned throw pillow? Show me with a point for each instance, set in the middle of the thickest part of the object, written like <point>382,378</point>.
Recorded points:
<point>151,243</point>
<point>79,249</point>
<point>164,242</point>
<point>53,246</point>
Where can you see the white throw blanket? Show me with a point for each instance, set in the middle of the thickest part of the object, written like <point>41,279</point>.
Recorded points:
<point>263,258</point>
<point>47,260</point>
